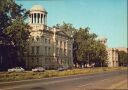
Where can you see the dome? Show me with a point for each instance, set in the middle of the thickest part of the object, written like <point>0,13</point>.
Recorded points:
<point>37,8</point>
<point>101,38</point>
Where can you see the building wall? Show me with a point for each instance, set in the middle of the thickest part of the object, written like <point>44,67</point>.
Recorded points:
<point>50,51</point>
<point>123,49</point>
<point>112,57</point>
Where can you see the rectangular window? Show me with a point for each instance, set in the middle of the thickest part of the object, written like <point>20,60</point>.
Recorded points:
<point>64,44</point>
<point>37,48</point>
<point>49,51</point>
<point>37,60</point>
<point>45,40</point>
<point>64,51</point>
<point>49,41</point>
<point>32,49</point>
<point>45,50</point>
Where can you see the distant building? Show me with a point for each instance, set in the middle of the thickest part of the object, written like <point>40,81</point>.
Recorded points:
<point>123,49</point>
<point>112,57</point>
<point>112,53</point>
<point>48,47</point>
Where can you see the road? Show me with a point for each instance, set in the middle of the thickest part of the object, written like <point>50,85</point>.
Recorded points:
<point>106,80</point>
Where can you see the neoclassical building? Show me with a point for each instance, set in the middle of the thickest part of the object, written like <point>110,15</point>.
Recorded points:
<point>112,54</point>
<point>48,47</point>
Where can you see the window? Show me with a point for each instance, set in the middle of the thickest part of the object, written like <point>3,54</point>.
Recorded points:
<point>45,50</point>
<point>45,40</point>
<point>37,60</point>
<point>49,50</point>
<point>49,41</point>
<point>37,50</point>
<point>32,60</point>
<point>33,49</point>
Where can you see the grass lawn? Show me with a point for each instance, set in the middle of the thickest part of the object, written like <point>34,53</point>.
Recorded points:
<point>15,76</point>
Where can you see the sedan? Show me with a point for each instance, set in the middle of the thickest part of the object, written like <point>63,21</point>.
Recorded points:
<point>38,69</point>
<point>16,69</point>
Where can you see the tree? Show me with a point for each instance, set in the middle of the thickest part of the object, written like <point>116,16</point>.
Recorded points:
<point>68,28</point>
<point>86,49</point>
<point>123,57</point>
<point>13,29</point>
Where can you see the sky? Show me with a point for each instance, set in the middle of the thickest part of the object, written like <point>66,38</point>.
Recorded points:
<point>106,18</point>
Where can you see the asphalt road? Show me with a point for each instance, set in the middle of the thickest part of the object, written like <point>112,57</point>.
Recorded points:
<point>107,80</point>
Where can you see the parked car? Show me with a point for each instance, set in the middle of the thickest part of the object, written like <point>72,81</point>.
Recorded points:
<point>16,69</point>
<point>62,68</point>
<point>38,69</point>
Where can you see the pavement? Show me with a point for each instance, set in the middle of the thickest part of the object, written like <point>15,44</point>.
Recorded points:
<point>105,80</point>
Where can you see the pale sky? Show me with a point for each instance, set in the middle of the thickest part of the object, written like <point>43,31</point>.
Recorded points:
<point>106,18</point>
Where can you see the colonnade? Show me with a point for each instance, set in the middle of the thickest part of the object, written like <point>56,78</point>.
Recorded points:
<point>39,18</point>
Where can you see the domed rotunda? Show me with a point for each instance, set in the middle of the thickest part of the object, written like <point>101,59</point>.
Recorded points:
<point>38,17</point>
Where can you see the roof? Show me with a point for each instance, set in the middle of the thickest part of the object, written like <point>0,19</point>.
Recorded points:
<point>101,38</point>
<point>37,8</point>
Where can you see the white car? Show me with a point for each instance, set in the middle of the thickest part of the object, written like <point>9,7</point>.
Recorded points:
<point>38,69</point>
<point>16,69</point>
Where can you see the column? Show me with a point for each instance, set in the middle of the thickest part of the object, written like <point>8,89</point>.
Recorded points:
<point>31,18</point>
<point>40,19</point>
<point>34,17</point>
<point>44,19</point>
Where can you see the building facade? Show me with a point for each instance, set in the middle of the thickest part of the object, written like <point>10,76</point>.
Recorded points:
<point>112,57</point>
<point>123,49</point>
<point>48,47</point>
